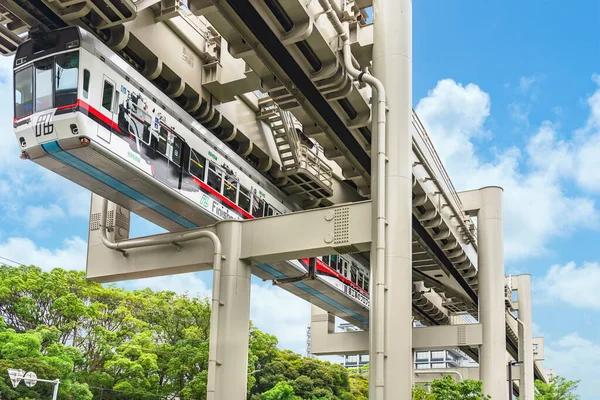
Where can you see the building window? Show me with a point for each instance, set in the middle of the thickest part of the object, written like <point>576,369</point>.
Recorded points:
<point>352,359</point>
<point>438,365</point>
<point>422,356</point>
<point>423,366</point>
<point>437,355</point>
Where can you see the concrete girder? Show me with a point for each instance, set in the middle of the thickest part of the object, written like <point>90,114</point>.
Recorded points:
<point>264,240</point>
<point>325,341</point>
<point>102,14</point>
<point>265,66</point>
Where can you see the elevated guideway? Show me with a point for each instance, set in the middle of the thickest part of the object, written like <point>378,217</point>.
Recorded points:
<point>444,250</point>
<point>233,49</point>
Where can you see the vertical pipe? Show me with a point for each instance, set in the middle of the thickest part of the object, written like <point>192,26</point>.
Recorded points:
<point>510,381</point>
<point>390,318</point>
<point>231,340</point>
<point>55,393</point>
<point>492,355</point>
<point>526,378</point>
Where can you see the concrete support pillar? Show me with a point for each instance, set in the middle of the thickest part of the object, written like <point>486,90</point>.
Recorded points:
<point>231,372</point>
<point>390,326</point>
<point>492,354</point>
<point>526,378</point>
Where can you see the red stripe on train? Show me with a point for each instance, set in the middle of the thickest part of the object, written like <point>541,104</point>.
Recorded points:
<point>223,198</point>
<point>322,266</point>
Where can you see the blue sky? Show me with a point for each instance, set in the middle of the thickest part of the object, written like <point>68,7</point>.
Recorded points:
<point>509,94</point>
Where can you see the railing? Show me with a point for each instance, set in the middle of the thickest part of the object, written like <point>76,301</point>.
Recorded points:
<point>290,131</point>
<point>304,156</point>
<point>309,160</point>
<point>443,180</point>
<point>195,22</point>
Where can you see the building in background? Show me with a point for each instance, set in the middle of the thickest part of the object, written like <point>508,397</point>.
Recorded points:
<point>428,359</point>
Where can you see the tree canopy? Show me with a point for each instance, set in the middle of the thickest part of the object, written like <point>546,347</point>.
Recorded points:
<point>105,342</point>
<point>558,388</point>
<point>449,389</point>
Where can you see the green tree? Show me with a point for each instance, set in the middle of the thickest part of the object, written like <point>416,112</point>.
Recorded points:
<point>281,391</point>
<point>558,388</point>
<point>449,389</point>
<point>359,387</point>
<point>421,393</point>
<point>108,343</point>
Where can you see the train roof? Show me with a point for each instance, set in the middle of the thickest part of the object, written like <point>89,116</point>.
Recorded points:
<point>40,45</point>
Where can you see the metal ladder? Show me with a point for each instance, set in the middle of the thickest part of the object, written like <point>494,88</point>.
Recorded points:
<point>306,174</point>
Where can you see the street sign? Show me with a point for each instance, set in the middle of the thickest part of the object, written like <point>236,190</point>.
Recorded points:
<point>30,379</point>
<point>15,376</point>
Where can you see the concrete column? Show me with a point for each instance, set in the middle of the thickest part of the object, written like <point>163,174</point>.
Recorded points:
<point>492,354</point>
<point>234,318</point>
<point>391,355</point>
<point>526,377</point>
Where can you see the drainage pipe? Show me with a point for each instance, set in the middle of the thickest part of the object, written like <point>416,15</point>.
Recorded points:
<point>458,374</point>
<point>216,286</point>
<point>379,328</point>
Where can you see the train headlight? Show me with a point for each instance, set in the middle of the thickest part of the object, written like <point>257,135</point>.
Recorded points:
<point>73,44</point>
<point>22,141</point>
<point>74,129</point>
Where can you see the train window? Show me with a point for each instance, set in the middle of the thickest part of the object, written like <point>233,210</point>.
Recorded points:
<point>333,261</point>
<point>24,93</point>
<point>258,207</point>
<point>107,95</point>
<point>230,188</point>
<point>176,155</point>
<point>86,83</point>
<point>326,259</point>
<point>215,177</point>
<point>43,85</point>
<point>270,211</point>
<point>161,146</point>
<point>196,164</point>
<point>344,267</point>
<point>65,81</point>
<point>360,279</point>
<point>353,276</point>
<point>366,283</point>
<point>244,199</point>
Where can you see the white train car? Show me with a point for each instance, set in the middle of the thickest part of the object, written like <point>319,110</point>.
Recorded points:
<point>84,113</point>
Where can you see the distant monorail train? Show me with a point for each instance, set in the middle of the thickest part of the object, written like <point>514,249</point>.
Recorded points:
<point>72,92</point>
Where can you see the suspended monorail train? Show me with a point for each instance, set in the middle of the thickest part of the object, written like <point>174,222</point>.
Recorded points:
<point>82,111</point>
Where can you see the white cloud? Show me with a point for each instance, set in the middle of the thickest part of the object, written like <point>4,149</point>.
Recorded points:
<point>71,255</point>
<point>25,183</point>
<point>280,313</point>
<point>519,112</point>
<point>191,283</point>
<point>576,358</point>
<point>572,285</point>
<point>528,83</point>
<point>455,114</point>
<point>37,215</point>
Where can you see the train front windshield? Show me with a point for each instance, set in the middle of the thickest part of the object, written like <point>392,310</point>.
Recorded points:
<point>48,83</point>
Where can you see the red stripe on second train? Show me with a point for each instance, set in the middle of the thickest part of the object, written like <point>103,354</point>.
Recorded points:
<point>223,198</point>
<point>322,266</point>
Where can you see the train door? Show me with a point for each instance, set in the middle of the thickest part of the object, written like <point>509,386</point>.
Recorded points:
<point>107,108</point>
<point>167,167</point>
<point>176,147</point>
